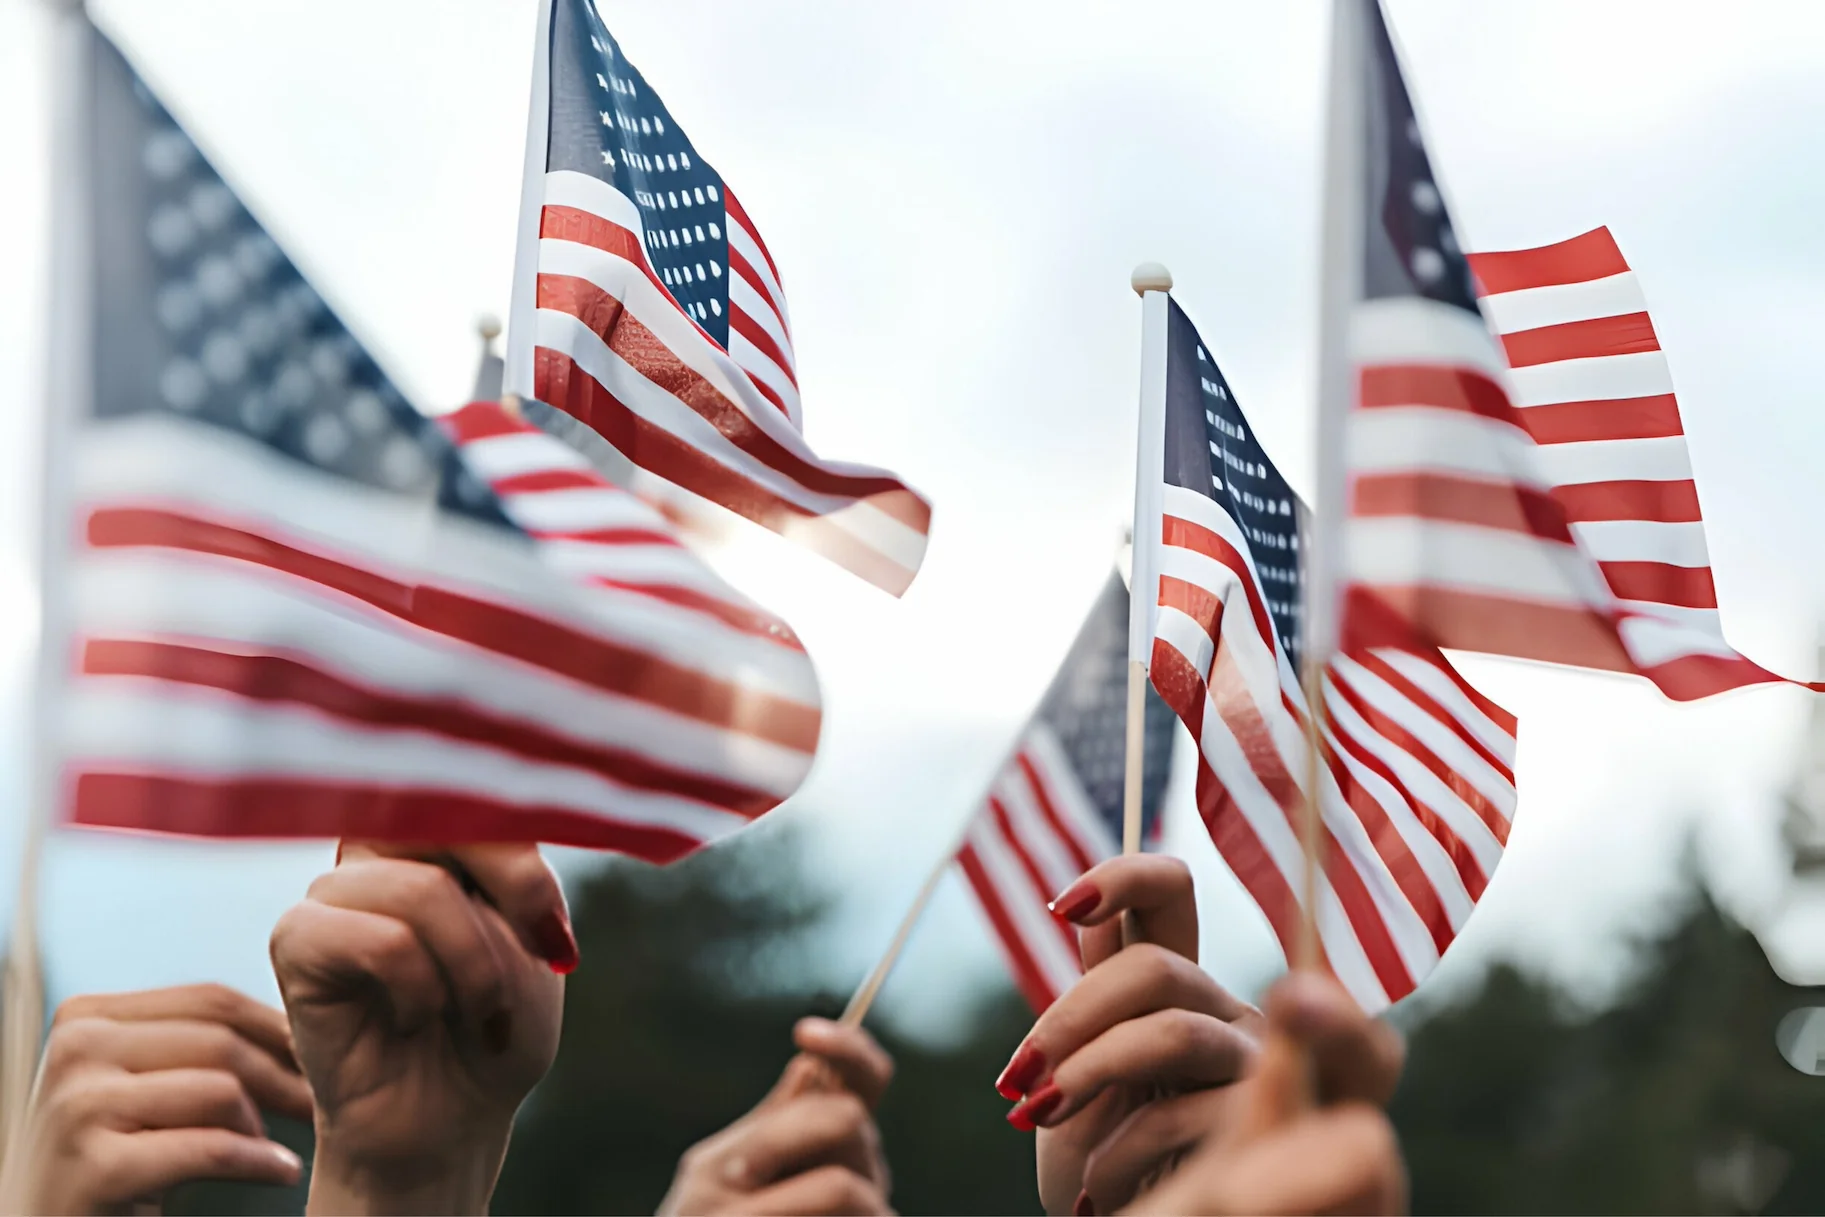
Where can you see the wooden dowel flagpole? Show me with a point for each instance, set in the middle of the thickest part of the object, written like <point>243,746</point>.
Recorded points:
<point>68,395</point>
<point>1152,283</point>
<point>1340,283</point>
<point>865,993</point>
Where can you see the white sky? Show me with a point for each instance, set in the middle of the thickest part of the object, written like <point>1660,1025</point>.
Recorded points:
<point>955,193</point>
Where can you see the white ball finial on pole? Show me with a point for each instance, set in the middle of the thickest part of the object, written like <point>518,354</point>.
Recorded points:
<point>1150,277</point>
<point>488,326</point>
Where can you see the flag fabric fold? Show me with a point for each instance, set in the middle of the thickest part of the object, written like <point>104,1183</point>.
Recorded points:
<point>301,608</point>
<point>1055,809</point>
<point>1525,492</point>
<point>1416,784</point>
<point>650,328</point>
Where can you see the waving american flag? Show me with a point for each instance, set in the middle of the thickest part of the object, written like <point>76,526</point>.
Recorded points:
<point>1416,788</point>
<point>295,606</point>
<point>1055,809</point>
<point>649,324</point>
<point>1523,494</point>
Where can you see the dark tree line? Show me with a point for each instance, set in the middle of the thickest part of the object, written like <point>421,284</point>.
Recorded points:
<point>1673,1099</point>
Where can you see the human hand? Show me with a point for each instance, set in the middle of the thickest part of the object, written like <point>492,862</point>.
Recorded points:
<point>810,1146</point>
<point>425,993</point>
<point>1308,1133</point>
<point>1128,1064</point>
<point>139,1092</point>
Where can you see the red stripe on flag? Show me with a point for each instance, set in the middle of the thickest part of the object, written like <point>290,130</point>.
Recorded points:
<point>1394,615</point>
<point>282,807</point>
<point>587,659</point>
<point>1398,735</point>
<point>1230,694</point>
<point>740,267</point>
<point>1040,892</point>
<point>1663,502</point>
<point>541,480</point>
<point>1573,422</point>
<point>1662,583</point>
<point>1393,385</point>
<point>1048,807</point>
<point>1028,978</point>
<point>1189,535</point>
<point>286,679</point>
<point>748,328</point>
<point>1392,849</point>
<point>642,350</point>
<point>1182,688</point>
<point>1463,861</point>
<point>567,387</point>
<point>1398,681</point>
<point>1461,500</point>
<point>1592,255</point>
<point>1591,338</point>
<point>739,214</point>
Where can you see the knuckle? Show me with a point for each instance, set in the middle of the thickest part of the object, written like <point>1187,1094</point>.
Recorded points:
<point>215,1002</point>
<point>76,1009</point>
<point>424,884</point>
<point>1155,965</point>
<point>73,1043</point>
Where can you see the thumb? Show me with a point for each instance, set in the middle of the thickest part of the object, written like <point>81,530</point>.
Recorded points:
<point>1279,1089</point>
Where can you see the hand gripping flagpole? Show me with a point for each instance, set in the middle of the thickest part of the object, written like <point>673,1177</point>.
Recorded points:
<point>1152,283</point>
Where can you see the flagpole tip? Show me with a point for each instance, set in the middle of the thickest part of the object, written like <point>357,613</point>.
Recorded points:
<point>1150,277</point>
<point>488,326</point>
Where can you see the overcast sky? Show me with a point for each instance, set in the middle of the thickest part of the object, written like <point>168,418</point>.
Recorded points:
<point>955,194</point>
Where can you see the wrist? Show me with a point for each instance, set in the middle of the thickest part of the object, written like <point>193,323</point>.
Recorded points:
<point>457,1178</point>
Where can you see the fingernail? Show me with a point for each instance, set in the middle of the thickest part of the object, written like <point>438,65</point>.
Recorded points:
<point>1037,1106</point>
<point>286,1158</point>
<point>1022,1071</point>
<point>1076,901</point>
<point>1085,1207</point>
<point>497,1031</point>
<point>1018,1118</point>
<point>556,944</point>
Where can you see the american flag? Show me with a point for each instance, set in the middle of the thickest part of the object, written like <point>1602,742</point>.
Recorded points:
<point>1528,494</point>
<point>1055,810</point>
<point>298,607</point>
<point>1417,783</point>
<point>650,326</point>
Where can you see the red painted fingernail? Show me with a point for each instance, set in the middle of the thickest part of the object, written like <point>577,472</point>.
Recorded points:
<point>1037,1106</point>
<point>1076,901</point>
<point>557,945</point>
<point>1018,1118</point>
<point>1085,1207</point>
<point>1018,1078</point>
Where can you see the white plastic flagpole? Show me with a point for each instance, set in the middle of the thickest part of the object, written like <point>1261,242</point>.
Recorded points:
<point>517,372</point>
<point>1152,283</point>
<point>67,396</point>
<point>1340,286</point>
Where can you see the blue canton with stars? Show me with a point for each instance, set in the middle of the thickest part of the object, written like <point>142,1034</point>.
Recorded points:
<point>200,315</point>
<point>1087,709</point>
<point>606,122</point>
<point>1413,250</point>
<point>1211,449</point>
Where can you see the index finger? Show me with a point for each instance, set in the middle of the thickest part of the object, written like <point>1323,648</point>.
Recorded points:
<point>1155,888</point>
<point>254,1021</point>
<point>512,876</point>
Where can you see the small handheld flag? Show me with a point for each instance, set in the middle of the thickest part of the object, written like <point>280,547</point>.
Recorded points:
<point>298,607</point>
<point>649,328</point>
